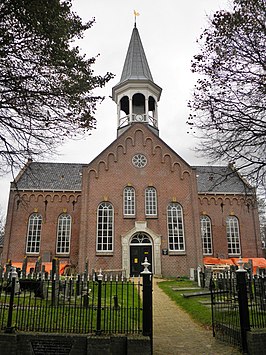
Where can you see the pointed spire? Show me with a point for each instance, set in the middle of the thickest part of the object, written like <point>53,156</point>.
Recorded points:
<point>136,65</point>
<point>136,94</point>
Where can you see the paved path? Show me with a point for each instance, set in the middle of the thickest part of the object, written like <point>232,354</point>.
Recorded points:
<point>176,333</point>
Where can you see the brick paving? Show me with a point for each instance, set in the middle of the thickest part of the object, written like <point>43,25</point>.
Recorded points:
<point>176,333</point>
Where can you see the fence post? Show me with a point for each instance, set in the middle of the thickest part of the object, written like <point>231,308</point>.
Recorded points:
<point>99,305</point>
<point>212,289</point>
<point>9,328</point>
<point>55,281</point>
<point>147,299</point>
<point>242,303</point>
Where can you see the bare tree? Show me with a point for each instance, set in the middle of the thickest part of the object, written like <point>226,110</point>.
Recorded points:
<point>2,227</point>
<point>46,85</point>
<point>228,107</point>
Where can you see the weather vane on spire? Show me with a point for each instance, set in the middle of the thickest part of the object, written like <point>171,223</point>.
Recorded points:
<point>135,14</point>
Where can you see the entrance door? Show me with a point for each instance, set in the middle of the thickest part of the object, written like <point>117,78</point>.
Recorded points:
<point>137,256</point>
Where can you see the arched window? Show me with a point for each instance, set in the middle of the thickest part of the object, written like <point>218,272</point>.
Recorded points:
<point>233,239</point>
<point>152,105</point>
<point>124,111</point>
<point>206,235</point>
<point>105,227</point>
<point>34,234</point>
<point>124,105</point>
<point>175,225</point>
<point>140,238</point>
<point>63,234</point>
<point>129,201</point>
<point>150,202</point>
<point>138,107</point>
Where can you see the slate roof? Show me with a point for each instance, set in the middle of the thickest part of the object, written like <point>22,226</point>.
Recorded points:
<point>136,64</point>
<point>50,176</point>
<point>68,177</point>
<point>220,179</point>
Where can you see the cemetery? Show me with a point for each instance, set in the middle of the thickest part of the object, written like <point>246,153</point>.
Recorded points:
<point>88,305</point>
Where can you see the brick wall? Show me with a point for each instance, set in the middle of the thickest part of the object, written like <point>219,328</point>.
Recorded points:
<point>30,343</point>
<point>218,208</point>
<point>256,340</point>
<point>22,205</point>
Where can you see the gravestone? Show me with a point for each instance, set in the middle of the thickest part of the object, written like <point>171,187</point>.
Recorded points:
<point>24,267</point>
<point>38,266</point>
<point>8,267</point>
<point>86,271</point>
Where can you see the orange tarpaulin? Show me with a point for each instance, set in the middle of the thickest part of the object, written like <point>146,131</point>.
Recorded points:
<point>48,266</point>
<point>256,262</point>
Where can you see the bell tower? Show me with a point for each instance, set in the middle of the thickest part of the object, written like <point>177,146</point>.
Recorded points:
<point>136,94</point>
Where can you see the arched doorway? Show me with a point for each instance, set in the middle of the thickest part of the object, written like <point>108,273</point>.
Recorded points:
<point>140,247</point>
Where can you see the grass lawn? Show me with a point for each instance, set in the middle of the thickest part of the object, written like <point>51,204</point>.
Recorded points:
<point>198,307</point>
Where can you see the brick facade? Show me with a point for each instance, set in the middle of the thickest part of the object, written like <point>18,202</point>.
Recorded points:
<point>104,179</point>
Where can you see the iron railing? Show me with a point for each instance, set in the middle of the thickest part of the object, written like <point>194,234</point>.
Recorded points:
<point>257,302</point>
<point>238,305</point>
<point>72,304</point>
<point>225,312</point>
<point>126,120</point>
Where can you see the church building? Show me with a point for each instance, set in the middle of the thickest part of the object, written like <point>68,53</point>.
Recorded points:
<point>138,198</point>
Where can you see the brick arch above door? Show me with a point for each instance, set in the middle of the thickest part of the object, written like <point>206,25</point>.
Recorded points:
<point>156,245</point>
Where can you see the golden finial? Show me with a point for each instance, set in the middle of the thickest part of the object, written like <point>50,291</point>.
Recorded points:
<point>135,14</point>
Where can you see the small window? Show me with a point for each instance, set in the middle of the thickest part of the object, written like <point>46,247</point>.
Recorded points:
<point>63,234</point>
<point>206,235</point>
<point>129,201</point>
<point>175,225</point>
<point>150,202</point>
<point>105,227</point>
<point>233,239</point>
<point>34,234</point>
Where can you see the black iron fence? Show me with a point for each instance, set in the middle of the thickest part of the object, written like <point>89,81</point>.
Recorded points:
<point>238,305</point>
<point>99,304</point>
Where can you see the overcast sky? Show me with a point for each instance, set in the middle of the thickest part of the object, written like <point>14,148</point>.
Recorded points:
<point>168,30</point>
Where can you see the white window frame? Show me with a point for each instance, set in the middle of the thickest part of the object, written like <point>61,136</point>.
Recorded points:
<point>64,224</point>
<point>129,201</point>
<point>206,235</point>
<point>175,227</point>
<point>150,202</point>
<point>105,227</point>
<point>33,243</point>
<point>233,235</point>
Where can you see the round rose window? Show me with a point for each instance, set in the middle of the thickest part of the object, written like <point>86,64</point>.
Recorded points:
<point>139,160</point>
